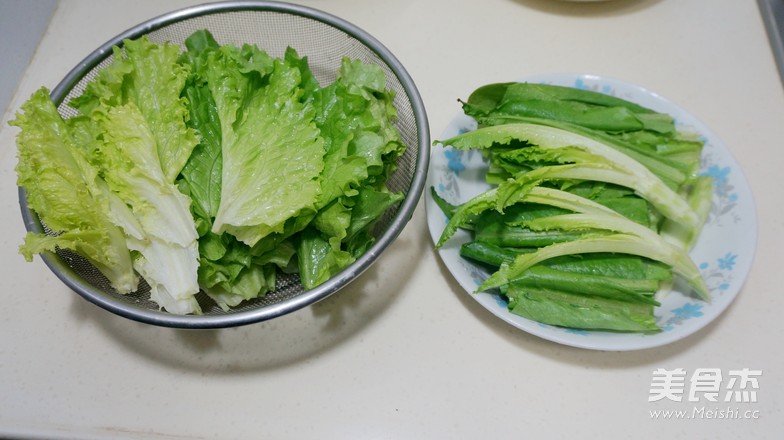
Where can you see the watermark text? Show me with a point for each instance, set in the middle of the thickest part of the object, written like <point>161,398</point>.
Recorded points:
<point>715,393</point>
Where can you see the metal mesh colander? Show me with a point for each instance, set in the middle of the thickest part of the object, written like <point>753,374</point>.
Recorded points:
<point>324,39</point>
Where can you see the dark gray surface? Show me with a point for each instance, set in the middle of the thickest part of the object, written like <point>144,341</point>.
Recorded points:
<point>22,23</point>
<point>772,12</point>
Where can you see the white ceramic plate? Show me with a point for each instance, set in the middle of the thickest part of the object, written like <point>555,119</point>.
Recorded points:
<point>724,251</point>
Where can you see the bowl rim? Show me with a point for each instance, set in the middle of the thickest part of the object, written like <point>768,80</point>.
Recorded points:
<point>234,319</point>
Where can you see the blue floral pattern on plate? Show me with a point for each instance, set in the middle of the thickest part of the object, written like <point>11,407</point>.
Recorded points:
<point>723,252</point>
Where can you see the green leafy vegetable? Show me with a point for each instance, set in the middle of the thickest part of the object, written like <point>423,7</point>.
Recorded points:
<point>167,245</point>
<point>595,204</point>
<point>593,160</point>
<point>354,116</point>
<point>263,182</point>
<point>142,143</point>
<point>67,193</point>
<point>583,107</point>
<point>212,168</point>
<point>148,75</point>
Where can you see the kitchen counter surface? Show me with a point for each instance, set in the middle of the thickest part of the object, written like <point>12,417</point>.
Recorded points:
<point>404,352</point>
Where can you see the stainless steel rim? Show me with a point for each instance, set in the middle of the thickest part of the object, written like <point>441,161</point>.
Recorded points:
<point>68,276</point>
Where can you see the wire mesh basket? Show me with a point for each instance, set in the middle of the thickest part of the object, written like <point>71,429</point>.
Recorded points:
<point>272,26</point>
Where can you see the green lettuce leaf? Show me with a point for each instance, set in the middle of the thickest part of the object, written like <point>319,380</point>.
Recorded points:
<point>265,180</point>
<point>168,249</point>
<point>149,75</point>
<point>229,271</point>
<point>567,104</point>
<point>64,189</point>
<point>355,118</point>
<point>576,310</point>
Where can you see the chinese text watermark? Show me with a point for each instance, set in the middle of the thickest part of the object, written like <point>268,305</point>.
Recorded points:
<point>719,392</point>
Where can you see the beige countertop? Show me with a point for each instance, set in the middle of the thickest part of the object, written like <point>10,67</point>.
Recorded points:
<point>404,352</point>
